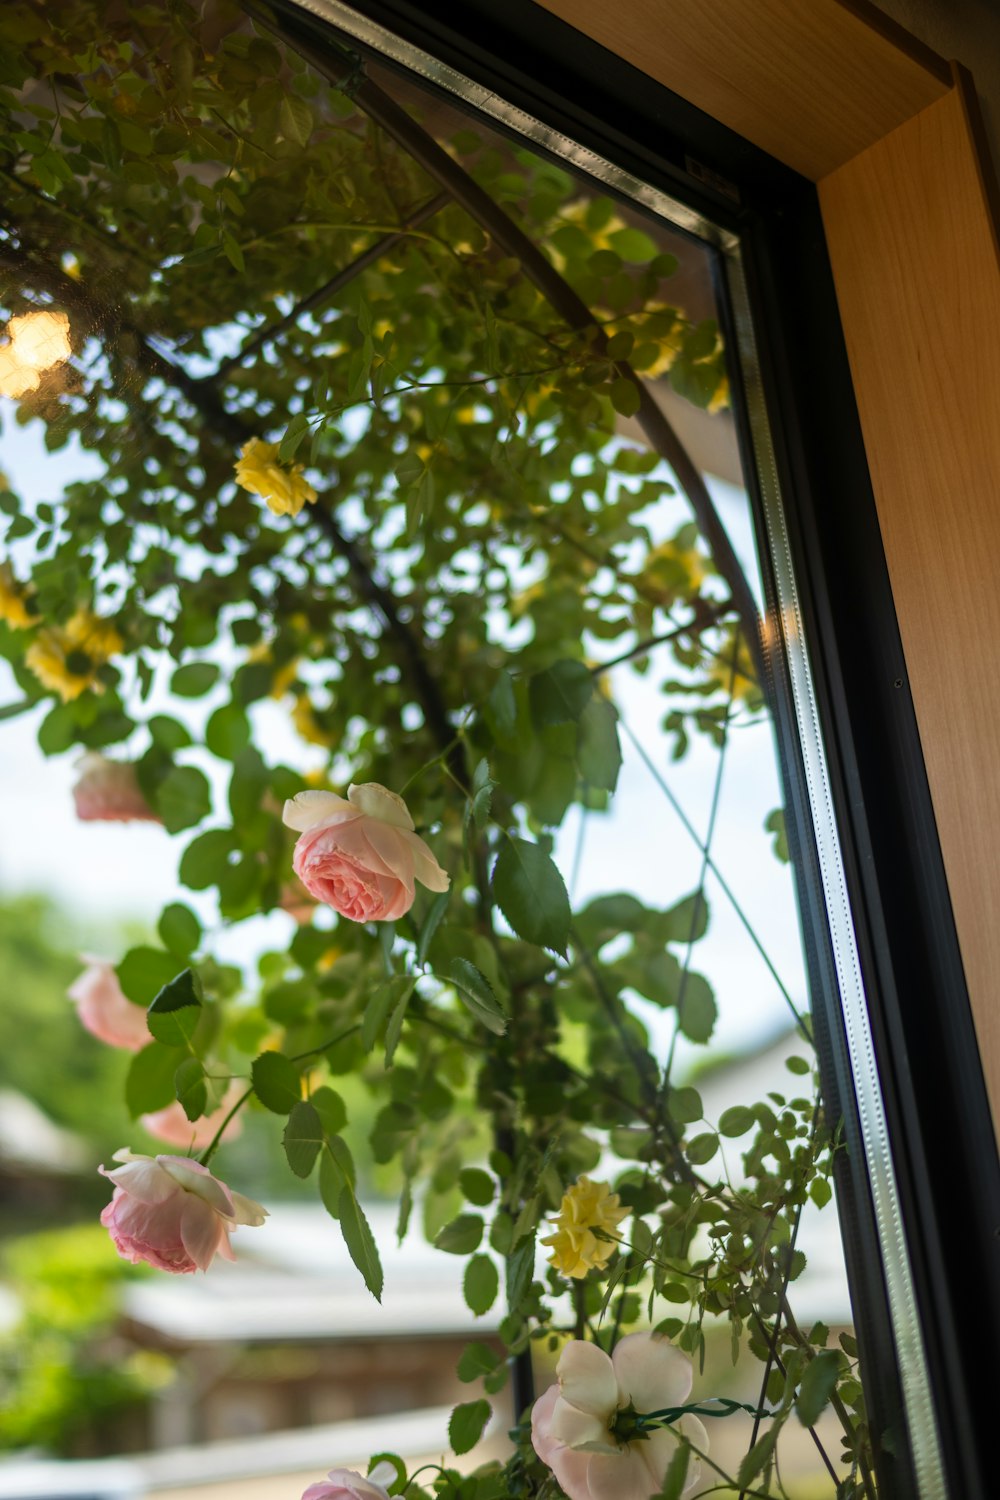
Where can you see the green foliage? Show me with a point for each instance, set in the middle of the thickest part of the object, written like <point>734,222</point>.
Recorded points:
<point>481,529</point>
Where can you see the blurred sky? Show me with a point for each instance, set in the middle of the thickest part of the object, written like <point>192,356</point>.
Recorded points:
<point>99,872</point>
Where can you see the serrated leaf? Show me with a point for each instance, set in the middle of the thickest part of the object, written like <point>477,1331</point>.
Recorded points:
<point>431,923</point>
<point>818,1384</point>
<point>530,892</point>
<point>276,1082</point>
<point>560,693</point>
<point>481,1284</point>
<point>466,1425</point>
<point>625,396</point>
<point>676,1476</point>
<point>302,1138</point>
<point>759,1455</point>
<point>697,1011</point>
<point>598,751</point>
<point>384,997</point>
<point>476,1360</point>
<point>462,1235</point>
<point>174,1013</point>
<point>331,1109</point>
<point>189,1086</point>
<point>820,1191</point>
<point>295,119</point>
<point>183,798</point>
<point>360,1242</point>
<point>501,707</point>
<point>476,994</point>
<point>336,1171</point>
<point>394,1028</point>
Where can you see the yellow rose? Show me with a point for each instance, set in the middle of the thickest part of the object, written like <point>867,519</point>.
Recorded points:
<point>66,658</point>
<point>586,1206</point>
<point>281,485</point>
<point>14,600</point>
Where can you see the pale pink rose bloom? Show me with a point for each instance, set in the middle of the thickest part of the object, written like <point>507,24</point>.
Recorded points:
<point>361,856</point>
<point>173,1126</point>
<point>171,1212</point>
<point>103,1008</point>
<point>347,1484</point>
<point>571,1423</point>
<point>107,791</point>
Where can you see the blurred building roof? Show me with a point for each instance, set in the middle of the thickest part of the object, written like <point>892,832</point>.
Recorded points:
<point>294,1280</point>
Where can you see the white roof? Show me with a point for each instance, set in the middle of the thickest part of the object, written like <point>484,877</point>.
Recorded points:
<point>295,1280</point>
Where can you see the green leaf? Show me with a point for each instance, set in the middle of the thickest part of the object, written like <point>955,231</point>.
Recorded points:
<point>227,731</point>
<point>175,1012</point>
<point>697,1012</point>
<point>676,1476</point>
<point>820,1191</point>
<point>465,1427</point>
<point>179,929</point>
<point>331,1109</point>
<point>336,1171</point>
<point>476,994</point>
<point>685,1105</point>
<point>295,119</point>
<point>818,1384</point>
<point>760,1455</point>
<point>477,1186</point>
<point>377,1009</point>
<point>702,1148</point>
<point>394,1027</point>
<point>520,1268</point>
<point>183,798</point>
<point>530,892</point>
<point>58,730</point>
<point>143,972</point>
<point>431,923</point>
<point>302,1138</point>
<point>598,751</point>
<point>736,1121</point>
<point>276,1082</point>
<point>195,679</point>
<point>775,823</point>
<point>189,1086</point>
<point>476,1360</point>
<point>625,396</point>
<point>560,694</point>
<point>501,707</point>
<point>797,1065</point>
<point>360,1242</point>
<point>206,859</point>
<point>463,1235</point>
<point>151,1080</point>
<point>168,734</point>
<point>481,1284</point>
<point>231,250</point>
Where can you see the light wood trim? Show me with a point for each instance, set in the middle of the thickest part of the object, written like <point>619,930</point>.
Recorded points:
<point>914,254</point>
<point>814,82</point>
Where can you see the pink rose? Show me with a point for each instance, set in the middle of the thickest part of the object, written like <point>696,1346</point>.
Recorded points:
<point>171,1212</point>
<point>361,856</point>
<point>573,1423</point>
<point>347,1484</point>
<point>173,1126</point>
<point>104,1010</point>
<point>107,792</point>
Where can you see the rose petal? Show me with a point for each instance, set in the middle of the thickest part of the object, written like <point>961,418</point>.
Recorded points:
<point>247,1210</point>
<point>579,1429</point>
<point>619,1476</point>
<point>378,802</point>
<point>587,1379</point>
<point>651,1372</point>
<point>143,1179</point>
<point>201,1229</point>
<point>308,809</point>
<point>390,845</point>
<point>661,1446</point>
<point>199,1182</point>
<point>425,866</point>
